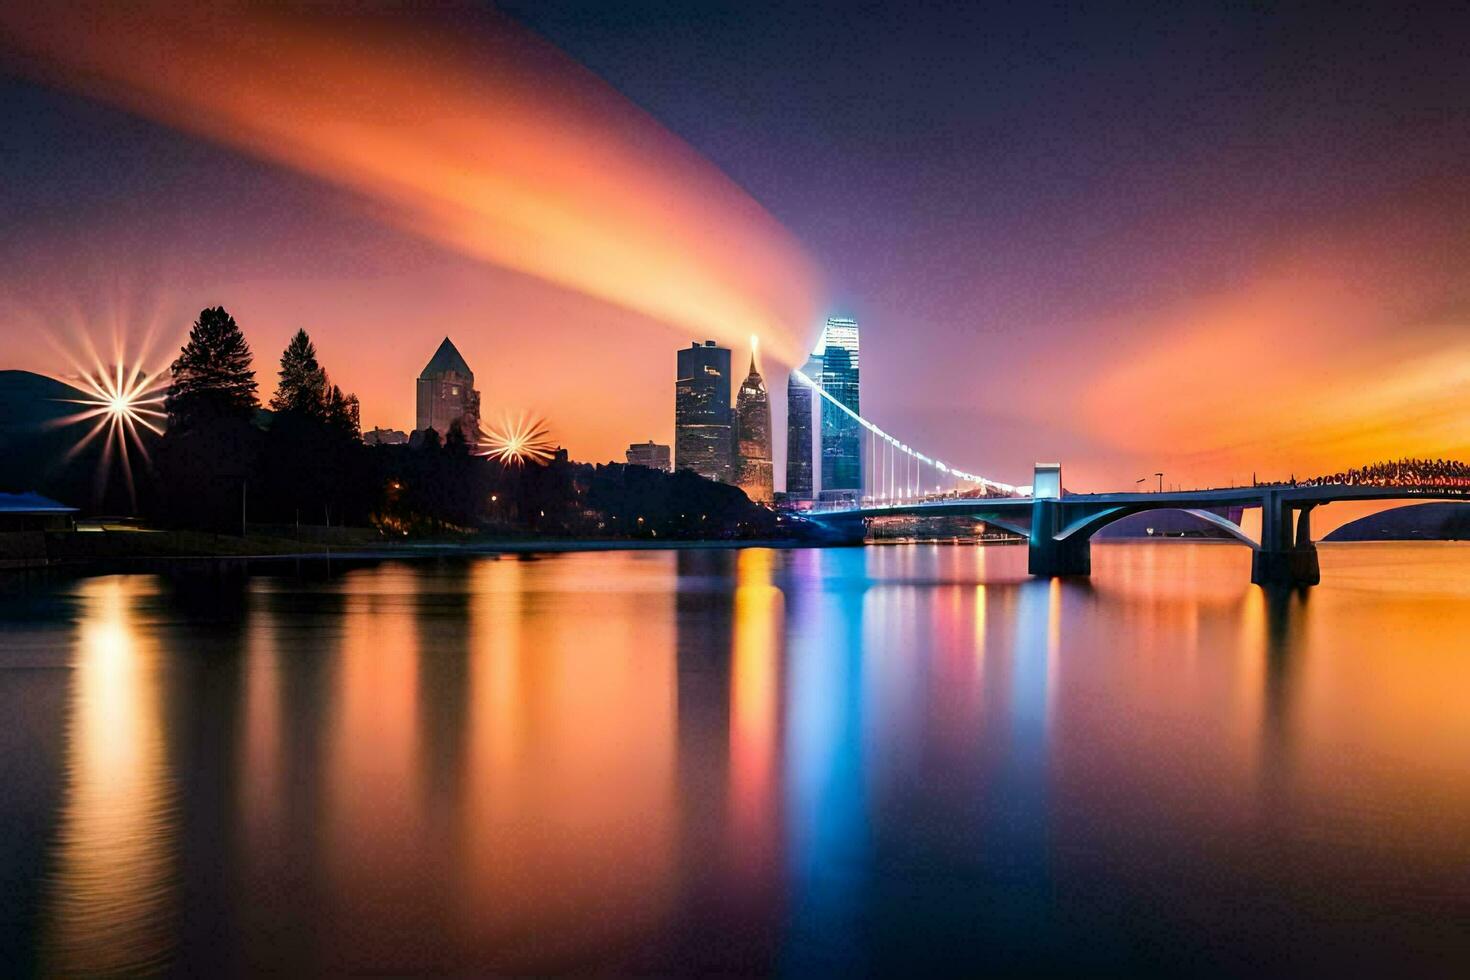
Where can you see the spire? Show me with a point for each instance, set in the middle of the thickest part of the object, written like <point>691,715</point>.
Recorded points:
<point>755,346</point>
<point>447,358</point>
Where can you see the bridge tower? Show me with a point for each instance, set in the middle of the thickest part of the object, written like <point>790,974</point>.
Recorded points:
<point>1048,556</point>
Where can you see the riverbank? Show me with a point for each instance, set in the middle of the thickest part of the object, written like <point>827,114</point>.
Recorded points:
<point>133,546</point>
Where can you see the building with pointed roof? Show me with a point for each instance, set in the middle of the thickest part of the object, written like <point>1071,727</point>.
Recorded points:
<point>753,425</point>
<point>446,394</point>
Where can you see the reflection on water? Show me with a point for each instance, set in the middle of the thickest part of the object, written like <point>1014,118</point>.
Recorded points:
<point>113,892</point>
<point>754,720</point>
<point>897,757</point>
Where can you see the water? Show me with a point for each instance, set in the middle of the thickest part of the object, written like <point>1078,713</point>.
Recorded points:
<point>882,759</point>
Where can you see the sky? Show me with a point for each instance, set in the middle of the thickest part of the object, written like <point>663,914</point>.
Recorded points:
<point>1213,240</point>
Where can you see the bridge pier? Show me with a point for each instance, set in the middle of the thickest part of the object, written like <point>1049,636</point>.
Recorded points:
<point>1049,557</point>
<point>1287,556</point>
<point>1293,567</point>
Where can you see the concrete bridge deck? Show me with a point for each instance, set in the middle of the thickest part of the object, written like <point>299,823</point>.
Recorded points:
<point>1060,528</point>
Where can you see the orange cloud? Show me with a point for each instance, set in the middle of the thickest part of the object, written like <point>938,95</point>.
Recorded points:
<point>492,143</point>
<point>1332,358</point>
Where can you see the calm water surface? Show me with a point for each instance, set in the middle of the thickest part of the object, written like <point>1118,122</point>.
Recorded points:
<point>849,760</point>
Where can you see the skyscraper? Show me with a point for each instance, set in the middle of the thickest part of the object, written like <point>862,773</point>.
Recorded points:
<point>446,394</point>
<point>702,416</point>
<point>842,444</point>
<point>800,404</point>
<point>753,425</point>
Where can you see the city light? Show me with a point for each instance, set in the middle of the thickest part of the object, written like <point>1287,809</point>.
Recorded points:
<point>518,441</point>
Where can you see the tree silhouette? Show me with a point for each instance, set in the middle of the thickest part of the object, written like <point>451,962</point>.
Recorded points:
<point>343,415</point>
<point>303,385</point>
<point>1407,472</point>
<point>212,376</point>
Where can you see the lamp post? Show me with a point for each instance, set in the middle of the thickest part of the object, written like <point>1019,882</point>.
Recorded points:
<point>1161,481</point>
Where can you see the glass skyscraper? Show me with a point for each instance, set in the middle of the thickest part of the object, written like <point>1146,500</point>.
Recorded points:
<point>800,415</point>
<point>703,434</point>
<point>842,443</point>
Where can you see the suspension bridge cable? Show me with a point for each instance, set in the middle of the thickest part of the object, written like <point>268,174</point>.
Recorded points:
<point>894,445</point>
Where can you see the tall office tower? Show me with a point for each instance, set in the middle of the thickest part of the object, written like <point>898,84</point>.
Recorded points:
<point>753,424</point>
<point>842,443</point>
<point>801,403</point>
<point>446,394</point>
<point>702,417</point>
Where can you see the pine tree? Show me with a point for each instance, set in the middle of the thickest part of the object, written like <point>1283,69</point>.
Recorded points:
<point>303,384</point>
<point>343,413</point>
<point>212,376</point>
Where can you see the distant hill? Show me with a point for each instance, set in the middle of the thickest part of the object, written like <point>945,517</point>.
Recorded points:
<point>29,401</point>
<point>1416,522</point>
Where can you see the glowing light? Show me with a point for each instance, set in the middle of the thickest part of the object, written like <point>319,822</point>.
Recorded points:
<point>498,169</point>
<point>518,441</point>
<point>119,401</point>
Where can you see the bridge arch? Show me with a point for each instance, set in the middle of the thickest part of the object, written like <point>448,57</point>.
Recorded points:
<point>1085,525</point>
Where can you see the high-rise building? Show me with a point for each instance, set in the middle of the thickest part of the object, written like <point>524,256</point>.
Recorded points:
<point>801,399</point>
<point>446,395</point>
<point>842,443</point>
<point>649,454</point>
<point>702,417</point>
<point>753,426</point>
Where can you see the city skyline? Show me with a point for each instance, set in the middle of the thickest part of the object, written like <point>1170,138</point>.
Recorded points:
<point>1020,311</point>
<point>652,488</point>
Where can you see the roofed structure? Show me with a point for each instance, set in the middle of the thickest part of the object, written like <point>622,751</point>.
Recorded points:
<point>447,360</point>
<point>446,395</point>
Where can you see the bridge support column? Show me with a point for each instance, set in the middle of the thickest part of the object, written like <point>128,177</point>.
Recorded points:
<point>1050,557</point>
<point>1287,555</point>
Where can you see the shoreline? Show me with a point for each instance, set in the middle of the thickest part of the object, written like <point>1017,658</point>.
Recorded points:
<point>558,546</point>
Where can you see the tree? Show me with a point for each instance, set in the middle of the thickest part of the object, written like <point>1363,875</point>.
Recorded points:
<point>455,442</point>
<point>212,376</point>
<point>303,385</point>
<point>343,414</point>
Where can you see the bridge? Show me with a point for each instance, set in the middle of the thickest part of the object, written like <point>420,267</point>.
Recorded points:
<point>1059,526</point>
<point>1059,529</point>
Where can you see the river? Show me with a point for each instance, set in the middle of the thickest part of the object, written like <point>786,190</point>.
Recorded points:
<point>882,759</point>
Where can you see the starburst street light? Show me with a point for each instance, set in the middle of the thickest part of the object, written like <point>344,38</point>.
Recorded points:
<point>118,402</point>
<point>518,441</point>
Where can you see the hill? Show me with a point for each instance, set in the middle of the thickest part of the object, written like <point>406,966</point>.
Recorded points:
<point>1416,522</point>
<point>35,444</point>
